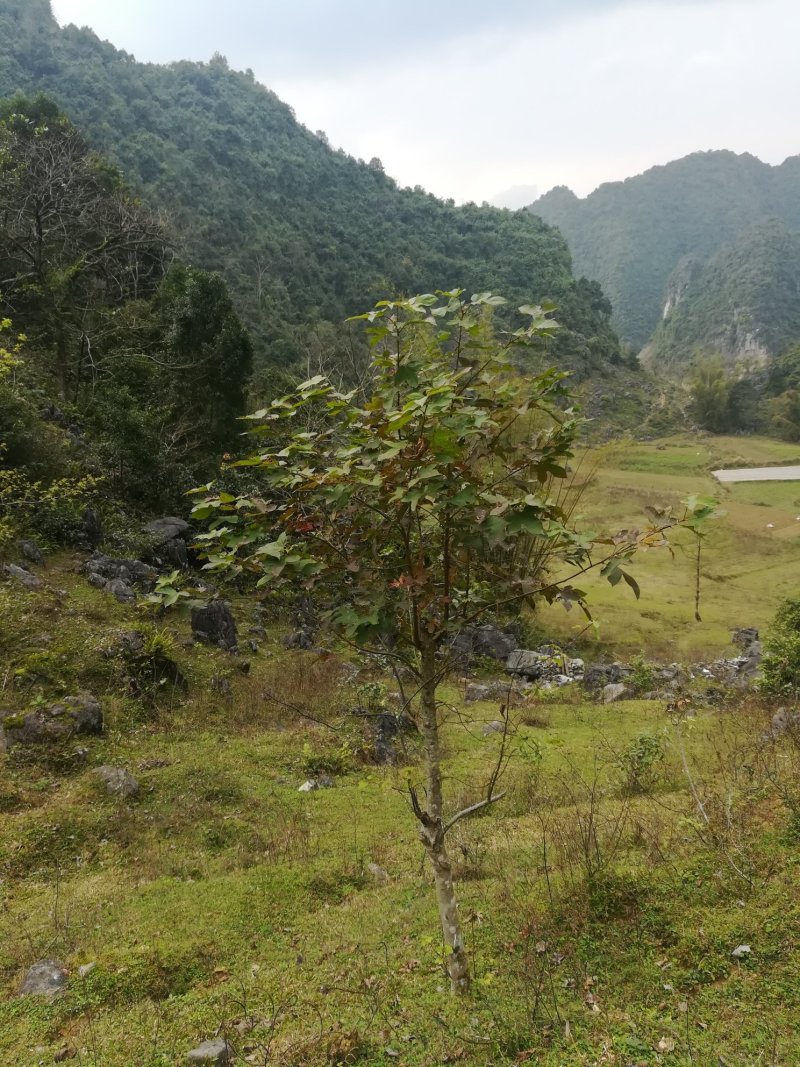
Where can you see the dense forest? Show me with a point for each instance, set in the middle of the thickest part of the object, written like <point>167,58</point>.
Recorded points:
<point>652,236</point>
<point>303,235</point>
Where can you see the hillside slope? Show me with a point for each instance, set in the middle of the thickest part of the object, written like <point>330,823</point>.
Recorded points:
<point>632,235</point>
<point>302,233</point>
<point>743,303</point>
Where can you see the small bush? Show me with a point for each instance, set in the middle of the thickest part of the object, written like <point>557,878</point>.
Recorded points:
<point>780,666</point>
<point>642,678</point>
<point>640,762</point>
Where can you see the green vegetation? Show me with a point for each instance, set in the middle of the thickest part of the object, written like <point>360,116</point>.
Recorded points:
<point>303,235</point>
<point>781,666</point>
<point>750,555</point>
<point>601,918</point>
<point>741,303</point>
<point>684,231</point>
<point>127,381</point>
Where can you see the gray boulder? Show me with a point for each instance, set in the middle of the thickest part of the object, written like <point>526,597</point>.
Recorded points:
<point>602,674</point>
<point>81,714</point>
<point>218,1053</point>
<point>496,727</point>
<point>613,692</point>
<point>215,625</point>
<point>169,534</point>
<point>130,571</point>
<point>118,782</point>
<point>24,577</point>
<point>47,978</point>
<point>120,590</point>
<point>166,529</point>
<point>487,640</point>
<point>30,551</point>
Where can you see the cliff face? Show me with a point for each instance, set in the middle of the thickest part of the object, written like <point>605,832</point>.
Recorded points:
<point>742,303</point>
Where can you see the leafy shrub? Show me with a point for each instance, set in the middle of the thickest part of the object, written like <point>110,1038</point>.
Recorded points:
<point>780,666</point>
<point>643,675</point>
<point>640,761</point>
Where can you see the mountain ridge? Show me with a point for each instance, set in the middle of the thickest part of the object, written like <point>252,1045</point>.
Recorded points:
<point>631,235</point>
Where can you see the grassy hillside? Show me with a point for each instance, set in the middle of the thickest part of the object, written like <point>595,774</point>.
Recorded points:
<point>632,235</point>
<point>222,900</point>
<point>303,234</point>
<point>601,920</point>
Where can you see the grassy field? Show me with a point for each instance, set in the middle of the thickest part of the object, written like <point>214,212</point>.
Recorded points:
<point>751,555</point>
<point>601,918</point>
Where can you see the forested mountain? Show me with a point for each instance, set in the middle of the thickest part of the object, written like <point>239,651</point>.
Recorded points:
<point>304,235</point>
<point>743,303</point>
<point>633,236</point>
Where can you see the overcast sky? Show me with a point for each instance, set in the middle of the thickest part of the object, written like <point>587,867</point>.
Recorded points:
<point>474,99</point>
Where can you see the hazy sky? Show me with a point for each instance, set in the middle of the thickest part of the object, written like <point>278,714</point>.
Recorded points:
<point>475,98</point>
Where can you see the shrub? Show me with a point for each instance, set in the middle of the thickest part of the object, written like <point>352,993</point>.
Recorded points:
<point>780,666</point>
<point>639,763</point>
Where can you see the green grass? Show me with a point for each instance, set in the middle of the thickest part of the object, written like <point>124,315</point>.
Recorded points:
<point>751,555</point>
<point>223,898</point>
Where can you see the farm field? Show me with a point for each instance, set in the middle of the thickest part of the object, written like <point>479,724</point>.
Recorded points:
<point>750,557</point>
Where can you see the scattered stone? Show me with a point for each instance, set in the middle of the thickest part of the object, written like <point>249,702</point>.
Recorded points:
<point>252,645</point>
<point>495,727</point>
<point>47,978</point>
<point>218,1053</point>
<point>30,551</point>
<point>24,577</point>
<point>378,873</point>
<point>547,664</point>
<point>118,782</point>
<point>613,692</point>
<point>154,764</point>
<point>601,674</point>
<point>215,625</point>
<point>322,781</point>
<point>258,631</point>
<point>301,639</point>
<point>86,969</point>
<point>81,714</point>
<point>222,686</point>
<point>741,951</point>
<point>130,571</point>
<point>120,590</point>
<point>66,1052</point>
<point>487,640</point>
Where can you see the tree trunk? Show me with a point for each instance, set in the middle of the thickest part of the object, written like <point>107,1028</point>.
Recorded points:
<point>432,830</point>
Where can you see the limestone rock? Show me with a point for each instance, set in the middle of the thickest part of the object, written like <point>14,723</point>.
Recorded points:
<point>47,978</point>
<point>118,782</point>
<point>215,625</point>
<point>166,529</point>
<point>30,581</point>
<point>81,714</point>
<point>30,551</point>
<point>613,692</point>
<point>217,1053</point>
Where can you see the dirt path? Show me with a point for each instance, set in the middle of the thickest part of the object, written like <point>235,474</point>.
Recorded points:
<point>759,474</point>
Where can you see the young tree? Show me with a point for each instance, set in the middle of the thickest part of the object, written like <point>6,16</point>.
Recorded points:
<point>419,508</point>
